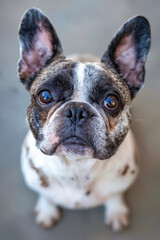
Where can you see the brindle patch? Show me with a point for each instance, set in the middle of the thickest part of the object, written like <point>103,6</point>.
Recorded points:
<point>58,78</point>
<point>133,171</point>
<point>27,149</point>
<point>113,122</point>
<point>65,160</point>
<point>43,179</point>
<point>88,193</point>
<point>125,170</point>
<point>58,73</point>
<point>43,116</point>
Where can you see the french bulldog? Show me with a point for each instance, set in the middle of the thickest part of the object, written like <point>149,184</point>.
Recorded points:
<point>80,151</point>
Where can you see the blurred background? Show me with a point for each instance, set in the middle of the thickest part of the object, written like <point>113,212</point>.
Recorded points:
<point>83,26</point>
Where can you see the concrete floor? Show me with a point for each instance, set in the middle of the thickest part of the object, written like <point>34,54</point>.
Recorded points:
<point>83,26</point>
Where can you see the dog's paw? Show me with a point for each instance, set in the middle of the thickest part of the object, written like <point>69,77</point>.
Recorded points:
<point>47,214</point>
<point>117,221</point>
<point>116,213</point>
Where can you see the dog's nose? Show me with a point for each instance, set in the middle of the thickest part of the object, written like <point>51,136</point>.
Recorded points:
<point>76,114</point>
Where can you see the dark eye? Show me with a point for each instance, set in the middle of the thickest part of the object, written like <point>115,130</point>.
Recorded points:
<point>45,97</point>
<point>111,102</point>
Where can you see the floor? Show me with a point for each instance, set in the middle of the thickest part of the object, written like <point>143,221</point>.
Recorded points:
<point>83,26</point>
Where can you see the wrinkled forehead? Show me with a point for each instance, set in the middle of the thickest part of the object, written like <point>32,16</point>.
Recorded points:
<point>81,78</point>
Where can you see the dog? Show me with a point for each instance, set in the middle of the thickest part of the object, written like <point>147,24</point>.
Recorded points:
<point>80,151</point>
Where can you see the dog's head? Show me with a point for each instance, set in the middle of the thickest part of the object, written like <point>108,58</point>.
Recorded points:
<point>78,108</point>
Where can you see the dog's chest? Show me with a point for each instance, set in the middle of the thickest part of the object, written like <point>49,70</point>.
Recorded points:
<point>75,184</point>
<point>69,184</point>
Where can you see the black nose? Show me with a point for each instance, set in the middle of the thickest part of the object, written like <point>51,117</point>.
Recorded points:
<point>76,114</point>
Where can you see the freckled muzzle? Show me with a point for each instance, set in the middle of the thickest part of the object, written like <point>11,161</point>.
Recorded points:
<point>74,121</point>
<point>79,129</point>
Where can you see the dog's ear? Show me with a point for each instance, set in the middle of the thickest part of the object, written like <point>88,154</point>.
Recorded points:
<point>128,50</point>
<point>39,44</point>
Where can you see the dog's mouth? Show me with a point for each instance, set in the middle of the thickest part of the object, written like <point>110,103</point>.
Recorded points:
<point>74,140</point>
<point>74,145</point>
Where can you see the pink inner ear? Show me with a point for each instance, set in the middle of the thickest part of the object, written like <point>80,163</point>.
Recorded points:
<point>126,59</point>
<point>43,41</point>
<point>125,55</point>
<point>36,58</point>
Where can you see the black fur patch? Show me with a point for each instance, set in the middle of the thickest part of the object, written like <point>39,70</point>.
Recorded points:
<point>59,80</point>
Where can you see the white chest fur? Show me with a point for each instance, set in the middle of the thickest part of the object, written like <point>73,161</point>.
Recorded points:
<point>78,183</point>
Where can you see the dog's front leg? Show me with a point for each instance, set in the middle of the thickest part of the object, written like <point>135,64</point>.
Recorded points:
<point>47,213</point>
<point>116,212</point>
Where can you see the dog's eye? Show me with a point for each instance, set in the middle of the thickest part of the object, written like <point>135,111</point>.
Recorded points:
<point>111,102</point>
<point>45,97</point>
